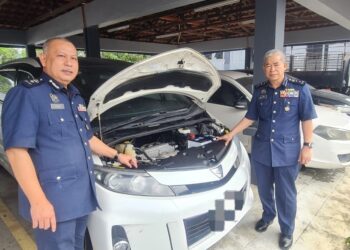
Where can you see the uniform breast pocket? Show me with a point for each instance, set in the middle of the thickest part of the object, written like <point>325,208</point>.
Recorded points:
<point>264,108</point>
<point>291,105</point>
<point>61,124</point>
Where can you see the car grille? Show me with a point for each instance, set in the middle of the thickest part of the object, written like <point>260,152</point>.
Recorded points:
<point>197,227</point>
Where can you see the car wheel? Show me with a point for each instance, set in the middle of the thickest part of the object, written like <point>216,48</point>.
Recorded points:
<point>87,241</point>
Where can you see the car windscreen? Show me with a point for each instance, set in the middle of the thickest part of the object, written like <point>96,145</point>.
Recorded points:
<point>246,82</point>
<point>144,108</point>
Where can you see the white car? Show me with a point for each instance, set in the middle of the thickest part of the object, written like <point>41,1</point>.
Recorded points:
<point>331,134</point>
<point>189,190</point>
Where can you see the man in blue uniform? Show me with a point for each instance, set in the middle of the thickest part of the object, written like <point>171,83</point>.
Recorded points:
<point>279,105</point>
<point>49,143</point>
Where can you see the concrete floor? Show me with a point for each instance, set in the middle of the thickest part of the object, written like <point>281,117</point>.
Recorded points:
<point>322,222</point>
<point>323,218</point>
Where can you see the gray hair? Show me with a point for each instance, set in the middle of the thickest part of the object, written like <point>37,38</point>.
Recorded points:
<point>48,41</point>
<point>274,52</point>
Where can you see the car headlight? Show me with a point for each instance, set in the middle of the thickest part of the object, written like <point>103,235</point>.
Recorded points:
<point>131,182</point>
<point>330,133</point>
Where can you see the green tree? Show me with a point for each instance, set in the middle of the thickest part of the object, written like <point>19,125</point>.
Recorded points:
<point>128,57</point>
<point>8,54</point>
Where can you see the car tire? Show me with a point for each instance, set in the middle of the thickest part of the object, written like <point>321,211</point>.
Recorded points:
<point>87,241</point>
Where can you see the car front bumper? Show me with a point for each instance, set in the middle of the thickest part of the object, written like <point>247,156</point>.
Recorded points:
<point>330,154</point>
<point>181,222</point>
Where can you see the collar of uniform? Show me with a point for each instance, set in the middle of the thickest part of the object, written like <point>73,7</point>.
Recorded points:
<point>54,84</point>
<point>283,85</point>
<point>285,82</point>
<point>58,86</point>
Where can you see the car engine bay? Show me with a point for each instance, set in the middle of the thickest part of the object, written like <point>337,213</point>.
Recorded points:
<point>192,146</point>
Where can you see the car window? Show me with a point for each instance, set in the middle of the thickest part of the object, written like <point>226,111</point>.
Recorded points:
<point>7,81</point>
<point>94,72</point>
<point>227,95</point>
<point>24,76</point>
<point>246,82</point>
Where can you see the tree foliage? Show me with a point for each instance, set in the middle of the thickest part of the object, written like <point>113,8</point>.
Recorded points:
<point>8,54</point>
<point>127,57</point>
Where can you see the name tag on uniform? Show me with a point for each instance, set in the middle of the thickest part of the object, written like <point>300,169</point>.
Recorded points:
<point>81,108</point>
<point>289,93</point>
<point>57,105</point>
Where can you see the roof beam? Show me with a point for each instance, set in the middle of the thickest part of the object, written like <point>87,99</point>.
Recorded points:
<point>2,2</point>
<point>55,12</point>
<point>12,37</point>
<point>334,10</point>
<point>333,33</point>
<point>101,13</point>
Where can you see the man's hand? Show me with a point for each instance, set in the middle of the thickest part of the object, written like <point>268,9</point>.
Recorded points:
<point>305,155</point>
<point>127,160</point>
<point>227,138</point>
<point>43,215</point>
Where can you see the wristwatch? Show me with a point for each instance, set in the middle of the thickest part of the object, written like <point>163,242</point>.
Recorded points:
<point>116,157</point>
<point>308,144</point>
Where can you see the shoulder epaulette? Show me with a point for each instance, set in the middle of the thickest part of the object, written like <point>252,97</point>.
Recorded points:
<point>261,84</point>
<point>296,81</point>
<point>32,83</point>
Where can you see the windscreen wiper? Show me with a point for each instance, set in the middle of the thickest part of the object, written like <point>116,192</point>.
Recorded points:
<point>132,120</point>
<point>161,119</point>
<point>187,114</point>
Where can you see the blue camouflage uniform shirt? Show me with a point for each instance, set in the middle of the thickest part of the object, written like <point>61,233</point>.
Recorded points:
<point>52,123</point>
<point>279,112</point>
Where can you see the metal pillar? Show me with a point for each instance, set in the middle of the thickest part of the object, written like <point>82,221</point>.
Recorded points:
<point>248,58</point>
<point>30,48</point>
<point>92,41</point>
<point>269,31</point>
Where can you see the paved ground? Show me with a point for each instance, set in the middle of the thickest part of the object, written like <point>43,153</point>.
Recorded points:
<point>323,219</point>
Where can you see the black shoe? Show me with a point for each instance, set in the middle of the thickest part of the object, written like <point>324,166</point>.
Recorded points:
<point>285,242</point>
<point>261,225</point>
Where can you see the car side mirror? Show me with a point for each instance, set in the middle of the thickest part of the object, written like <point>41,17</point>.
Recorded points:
<point>241,104</point>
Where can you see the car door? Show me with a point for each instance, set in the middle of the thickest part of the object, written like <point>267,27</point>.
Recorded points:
<point>7,81</point>
<point>9,77</point>
<point>229,105</point>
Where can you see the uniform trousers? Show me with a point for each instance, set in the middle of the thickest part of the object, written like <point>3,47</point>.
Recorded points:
<point>69,235</point>
<point>276,187</point>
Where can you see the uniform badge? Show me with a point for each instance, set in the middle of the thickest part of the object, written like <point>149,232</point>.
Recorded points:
<point>54,98</point>
<point>54,84</point>
<point>34,81</point>
<point>263,94</point>
<point>283,93</point>
<point>81,108</point>
<point>292,93</point>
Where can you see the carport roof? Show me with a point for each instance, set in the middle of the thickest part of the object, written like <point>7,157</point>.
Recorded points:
<point>175,26</point>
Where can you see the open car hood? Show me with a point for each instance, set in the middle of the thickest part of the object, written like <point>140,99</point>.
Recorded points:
<point>181,71</point>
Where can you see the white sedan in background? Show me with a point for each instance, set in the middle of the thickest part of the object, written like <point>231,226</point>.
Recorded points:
<point>331,148</point>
